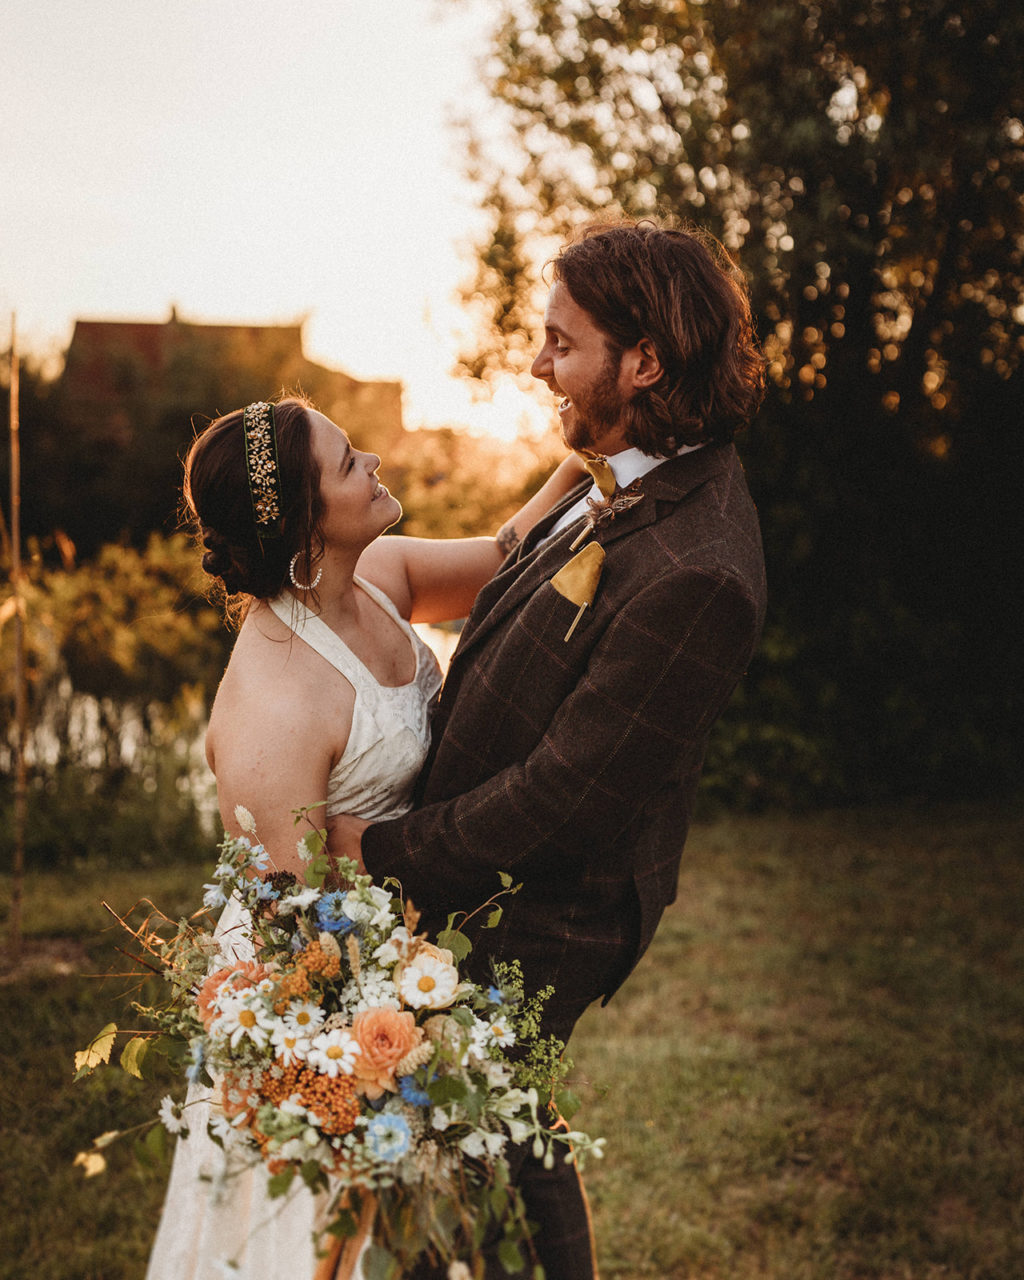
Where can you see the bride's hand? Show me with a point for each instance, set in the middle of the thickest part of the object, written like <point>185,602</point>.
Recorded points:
<point>344,838</point>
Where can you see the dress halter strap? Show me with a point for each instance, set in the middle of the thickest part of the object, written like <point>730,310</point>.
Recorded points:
<point>311,628</point>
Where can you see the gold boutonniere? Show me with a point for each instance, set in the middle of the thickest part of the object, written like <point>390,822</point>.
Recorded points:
<point>610,504</point>
<point>577,580</point>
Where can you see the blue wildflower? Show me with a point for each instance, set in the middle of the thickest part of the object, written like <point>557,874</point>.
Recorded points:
<point>259,859</point>
<point>388,1137</point>
<point>412,1093</point>
<point>214,897</point>
<point>197,1053</point>
<point>494,994</point>
<point>265,891</point>
<point>330,914</point>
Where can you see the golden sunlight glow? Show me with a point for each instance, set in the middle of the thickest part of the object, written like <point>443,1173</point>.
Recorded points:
<point>252,162</point>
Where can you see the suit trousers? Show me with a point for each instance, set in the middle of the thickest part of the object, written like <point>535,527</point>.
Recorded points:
<point>556,1205</point>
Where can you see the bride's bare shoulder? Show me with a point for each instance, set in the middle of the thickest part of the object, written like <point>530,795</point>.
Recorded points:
<point>271,688</point>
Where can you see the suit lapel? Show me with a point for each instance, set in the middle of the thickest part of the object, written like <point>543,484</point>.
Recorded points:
<point>530,565</point>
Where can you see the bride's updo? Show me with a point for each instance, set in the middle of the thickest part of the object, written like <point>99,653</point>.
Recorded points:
<point>219,505</point>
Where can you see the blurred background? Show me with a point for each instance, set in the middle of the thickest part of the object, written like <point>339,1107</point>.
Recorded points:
<point>203,204</point>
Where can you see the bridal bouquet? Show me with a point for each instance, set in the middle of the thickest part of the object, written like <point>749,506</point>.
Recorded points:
<point>344,1049</point>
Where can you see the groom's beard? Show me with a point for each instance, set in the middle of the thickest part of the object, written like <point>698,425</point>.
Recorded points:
<point>597,410</point>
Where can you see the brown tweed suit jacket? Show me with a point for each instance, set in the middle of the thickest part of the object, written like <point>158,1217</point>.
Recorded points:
<point>573,764</point>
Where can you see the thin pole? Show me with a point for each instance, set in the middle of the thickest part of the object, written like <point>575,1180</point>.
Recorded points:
<point>14,934</point>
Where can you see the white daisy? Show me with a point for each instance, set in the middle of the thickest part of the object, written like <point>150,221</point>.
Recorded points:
<point>333,1053</point>
<point>428,983</point>
<point>500,1031</point>
<point>171,1115</point>
<point>243,1015</point>
<point>303,1016</point>
<point>289,1045</point>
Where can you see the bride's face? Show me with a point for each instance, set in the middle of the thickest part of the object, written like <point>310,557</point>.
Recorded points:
<point>357,507</point>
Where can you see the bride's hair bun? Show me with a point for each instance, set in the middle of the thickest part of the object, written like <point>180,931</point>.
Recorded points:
<point>218,503</point>
<point>219,562</point>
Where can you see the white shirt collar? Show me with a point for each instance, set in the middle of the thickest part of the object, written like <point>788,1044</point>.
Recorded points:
<point>632,464</point>
<point>627,466</point>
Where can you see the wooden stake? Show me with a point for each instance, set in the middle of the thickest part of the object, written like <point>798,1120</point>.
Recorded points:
<point>14,931</point>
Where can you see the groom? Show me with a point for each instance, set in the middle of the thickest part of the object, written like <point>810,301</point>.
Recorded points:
<point>577,708</point>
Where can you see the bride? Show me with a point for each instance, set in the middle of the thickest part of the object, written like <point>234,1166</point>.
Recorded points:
<point>325,703</point>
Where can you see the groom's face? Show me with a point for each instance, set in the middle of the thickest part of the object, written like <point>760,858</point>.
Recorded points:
<point>577,363</point>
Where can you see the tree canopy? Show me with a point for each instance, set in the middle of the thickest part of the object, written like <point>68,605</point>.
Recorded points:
<point>864,163</point>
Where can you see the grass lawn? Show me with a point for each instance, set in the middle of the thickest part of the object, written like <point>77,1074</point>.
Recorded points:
<point>816,1073</point>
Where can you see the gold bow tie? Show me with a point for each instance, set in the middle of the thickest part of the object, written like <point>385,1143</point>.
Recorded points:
<point>602,474</point>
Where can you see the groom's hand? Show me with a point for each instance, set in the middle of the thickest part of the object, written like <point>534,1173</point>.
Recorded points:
<point>345,836</point>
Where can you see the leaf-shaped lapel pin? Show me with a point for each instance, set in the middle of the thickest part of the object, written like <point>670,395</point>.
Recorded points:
<point>577,580</point>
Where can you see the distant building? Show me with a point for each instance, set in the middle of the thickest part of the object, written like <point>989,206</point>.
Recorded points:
<point>122,377</point>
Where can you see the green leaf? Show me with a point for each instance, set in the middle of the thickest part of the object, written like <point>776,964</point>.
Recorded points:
<point>378,1264</point>
<point>96,1051</point>
<point>174,1049</point>
<point>134,1054</point>
<point>510,1257</point>
<point>494,919</point>
<point>473,1103</point>
<point>457,943</point>
<point>280,1182</point>
<point>313,1176</point>
<point>498,1198</point>
<point>151,1148</point>
<point>344,1224</point>
<point>461,1015</point>
<point>567,1103</point>
<point>447,1089</point>
<point>506,879</point>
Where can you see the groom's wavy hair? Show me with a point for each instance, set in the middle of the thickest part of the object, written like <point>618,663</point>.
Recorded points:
<point>679,289</point>
<point>218,507</point>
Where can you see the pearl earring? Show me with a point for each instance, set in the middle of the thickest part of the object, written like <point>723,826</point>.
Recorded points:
<point>303,586</point>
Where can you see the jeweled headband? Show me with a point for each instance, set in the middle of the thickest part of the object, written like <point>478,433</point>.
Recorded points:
<point>261,466</point>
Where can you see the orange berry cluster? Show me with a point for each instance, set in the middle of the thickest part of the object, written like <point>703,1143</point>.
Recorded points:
<point>334,1101</point>
<point>315,960</point>
<point>291,986</point>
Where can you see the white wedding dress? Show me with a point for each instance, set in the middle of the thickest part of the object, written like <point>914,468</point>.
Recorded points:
<point>214,1227</point>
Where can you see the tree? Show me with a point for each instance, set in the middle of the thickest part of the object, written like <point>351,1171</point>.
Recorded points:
<point>123,657</point>
<point>865,165</point>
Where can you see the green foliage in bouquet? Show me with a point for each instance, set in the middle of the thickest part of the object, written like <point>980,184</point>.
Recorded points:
<point>326,1040</point>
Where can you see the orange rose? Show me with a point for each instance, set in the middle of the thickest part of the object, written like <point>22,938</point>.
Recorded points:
<point>238,976</point>
<point>384,1037</point>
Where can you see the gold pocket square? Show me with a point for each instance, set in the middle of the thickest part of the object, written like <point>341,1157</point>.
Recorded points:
<point>577,580</point>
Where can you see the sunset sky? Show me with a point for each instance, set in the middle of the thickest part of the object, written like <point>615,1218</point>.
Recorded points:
<point>248,161</point>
